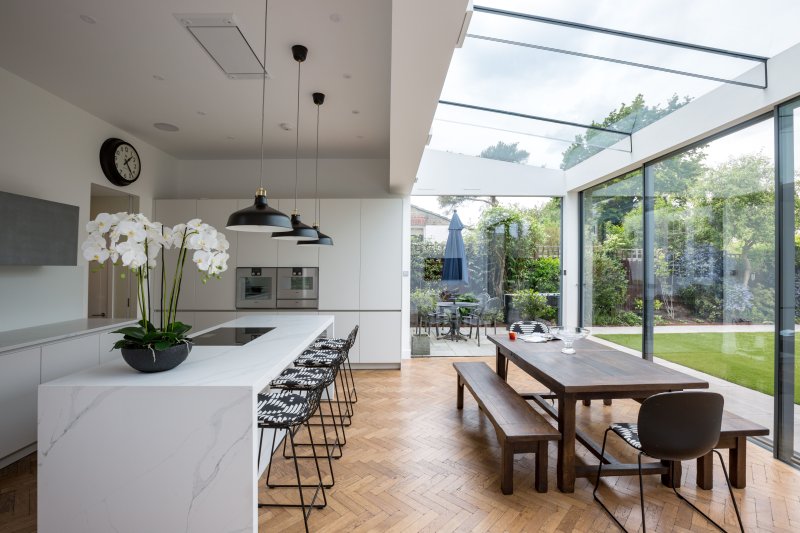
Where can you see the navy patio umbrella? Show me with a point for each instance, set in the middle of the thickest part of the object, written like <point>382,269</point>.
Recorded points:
<point>454,269</point>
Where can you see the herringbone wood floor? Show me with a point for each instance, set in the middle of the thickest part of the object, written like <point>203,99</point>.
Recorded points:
<point>415,463</point>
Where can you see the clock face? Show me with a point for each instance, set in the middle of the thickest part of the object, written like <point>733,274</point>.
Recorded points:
<point>120,162</point>
<point>126,161</point>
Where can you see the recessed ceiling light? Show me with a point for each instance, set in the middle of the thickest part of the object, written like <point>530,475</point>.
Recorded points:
<point>335,17</point>
<point>356,111</point>
<point>201,113</point>
<point>157,77</point>
<point>165,126</point>
<point>285,126</point>
<point>347,76</point>
<point>88,20</point>
<point>231,138</point>
<point>359,136</point>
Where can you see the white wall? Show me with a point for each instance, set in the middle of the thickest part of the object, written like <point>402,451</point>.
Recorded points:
<point>49,149</point>
<point>338,178</point>
<point>457,174</point>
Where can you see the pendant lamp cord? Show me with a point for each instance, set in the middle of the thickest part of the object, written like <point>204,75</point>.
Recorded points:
<point>263,97</point>
<point>318,204</point>
<point>297,138</point>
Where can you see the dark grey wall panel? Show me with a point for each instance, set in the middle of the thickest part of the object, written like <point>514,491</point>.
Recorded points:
<point>37,232</point>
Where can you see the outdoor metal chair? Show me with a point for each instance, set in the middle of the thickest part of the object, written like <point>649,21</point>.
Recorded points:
<point>526,327</point>
<point>672,426</point>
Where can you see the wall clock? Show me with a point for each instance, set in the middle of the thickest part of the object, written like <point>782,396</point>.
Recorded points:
<point>120,162</point>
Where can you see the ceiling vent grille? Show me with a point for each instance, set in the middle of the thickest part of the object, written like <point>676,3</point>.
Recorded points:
<point>219,35</point>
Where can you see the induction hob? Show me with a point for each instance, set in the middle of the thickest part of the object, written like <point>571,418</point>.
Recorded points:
<point>229,336</point>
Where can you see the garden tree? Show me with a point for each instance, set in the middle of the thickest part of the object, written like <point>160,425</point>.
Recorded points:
<point>735,207</point>
<point>549,217</point>
<point>424,273</point>
<point>501,152</point>
<point>628,118</point>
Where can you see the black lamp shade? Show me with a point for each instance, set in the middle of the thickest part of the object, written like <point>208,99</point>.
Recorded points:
<point>259,217</point>
<point>299,232</point>
<point>323,240</point>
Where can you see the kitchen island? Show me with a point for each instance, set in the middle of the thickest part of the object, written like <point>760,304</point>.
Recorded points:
<point>175,451</point>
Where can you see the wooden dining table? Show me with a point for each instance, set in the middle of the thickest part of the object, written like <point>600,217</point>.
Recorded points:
<point>594,372</point>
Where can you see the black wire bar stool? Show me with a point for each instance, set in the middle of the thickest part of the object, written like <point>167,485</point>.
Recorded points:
<point>333,359</point>
<point>288,411</point>
<point>342,344</point>
<point>316,381</point>
<point>672,426</point>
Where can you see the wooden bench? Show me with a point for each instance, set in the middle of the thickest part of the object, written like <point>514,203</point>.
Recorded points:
<point>520,429</point>
<point>733,436</point>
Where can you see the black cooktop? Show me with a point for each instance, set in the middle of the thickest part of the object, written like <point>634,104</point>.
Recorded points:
<point>229,336</point>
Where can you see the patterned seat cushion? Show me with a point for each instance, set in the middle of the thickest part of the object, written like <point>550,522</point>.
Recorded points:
<point>303,378</point>
<point>279,409</point>
<point>329,344</point>
<point>526,327</point>
<point>629,433</point>
<point>319,358</point>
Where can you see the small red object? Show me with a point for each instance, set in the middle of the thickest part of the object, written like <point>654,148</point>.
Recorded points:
<point>512,335</point>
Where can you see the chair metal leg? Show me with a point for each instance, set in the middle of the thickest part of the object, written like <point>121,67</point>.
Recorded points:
<point>597,483</point>
<point>641,491</point>
<point>352,379</point>
<point>693,506</point>
<point>730,489</point>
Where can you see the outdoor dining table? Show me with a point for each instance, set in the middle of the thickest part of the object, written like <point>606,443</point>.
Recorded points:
<point>453,310</point>
<point>594,372</point>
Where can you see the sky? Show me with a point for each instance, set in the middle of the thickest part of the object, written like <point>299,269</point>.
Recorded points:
<point>553,85</point>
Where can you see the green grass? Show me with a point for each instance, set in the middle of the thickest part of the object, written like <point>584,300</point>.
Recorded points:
<point>746,359</point>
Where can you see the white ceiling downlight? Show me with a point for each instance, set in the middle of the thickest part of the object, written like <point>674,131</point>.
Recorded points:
<point>166,126</point>
<point>219,35</point>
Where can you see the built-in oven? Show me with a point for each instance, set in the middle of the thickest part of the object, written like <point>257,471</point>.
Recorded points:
<point>298,288</point>
<point>256,287</point>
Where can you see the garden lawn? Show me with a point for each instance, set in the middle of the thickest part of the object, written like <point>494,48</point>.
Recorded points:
<point>746,359</point>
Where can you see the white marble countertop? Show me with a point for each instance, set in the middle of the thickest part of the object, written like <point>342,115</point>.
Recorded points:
<point>251,365</point>
<point>16,339</point>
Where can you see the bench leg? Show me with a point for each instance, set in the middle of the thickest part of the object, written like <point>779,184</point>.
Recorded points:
<point>737,463</point>
<point>460,394</point>
<point>507,468</point>
<point>705,471</point>
<point>666,479</point>
<point>541,467</point>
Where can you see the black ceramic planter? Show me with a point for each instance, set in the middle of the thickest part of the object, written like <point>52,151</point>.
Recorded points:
<point>142,359</point>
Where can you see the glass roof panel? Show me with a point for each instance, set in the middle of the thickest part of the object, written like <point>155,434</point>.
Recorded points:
<point>518,65</point>
<point>763,27</point>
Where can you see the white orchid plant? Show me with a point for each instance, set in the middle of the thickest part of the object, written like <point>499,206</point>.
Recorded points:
<point>135,242</point>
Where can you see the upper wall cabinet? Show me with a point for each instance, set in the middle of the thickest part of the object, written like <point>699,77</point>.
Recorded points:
<point>381,254</point>
<point>340,264</point>
<point>218,294</point>
<point>254,249</point>
<point>289,254</point>
<point>170,213</point>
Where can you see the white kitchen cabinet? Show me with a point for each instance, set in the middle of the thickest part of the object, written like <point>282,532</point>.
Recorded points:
<point>381,254</point>
<point>206,319</point>
<point>69,356</point>
<point>380,333</point>
<point>170,213</point>
<point>254,248</point>
<point>289,254</point>
<point>217,294</point>
<point>19,380</point>
<point>343,323</point>
<point>106,342</point>
<point>340,264</point>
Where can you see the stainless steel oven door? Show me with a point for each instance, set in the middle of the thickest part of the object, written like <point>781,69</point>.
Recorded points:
<point>255,287</point>
<point>298,283</point>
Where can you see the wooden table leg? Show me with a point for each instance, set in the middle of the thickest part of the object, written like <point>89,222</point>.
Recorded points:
<point>565,468</point>
<point>460,393</point>
<point>500,364</point>
<point>507,468</point>
<point>666,479</point>
<point>737,463</point>
<point>705,471</point>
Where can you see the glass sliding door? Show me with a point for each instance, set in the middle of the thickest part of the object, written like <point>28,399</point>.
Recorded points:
<point>612,258</point>
<point>787,414</point>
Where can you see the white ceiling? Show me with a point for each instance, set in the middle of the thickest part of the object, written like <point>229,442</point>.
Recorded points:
<point>108,69</point>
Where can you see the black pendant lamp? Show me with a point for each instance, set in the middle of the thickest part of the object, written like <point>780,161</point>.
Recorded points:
<point>260,216</point>
<point>300,231</point>
<point>322,240</point>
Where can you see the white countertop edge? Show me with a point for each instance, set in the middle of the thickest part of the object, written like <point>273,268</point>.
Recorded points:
<point>18,339</point>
